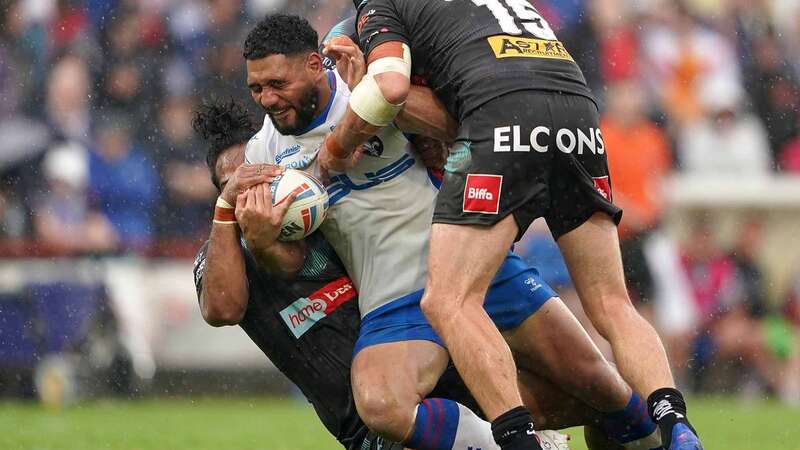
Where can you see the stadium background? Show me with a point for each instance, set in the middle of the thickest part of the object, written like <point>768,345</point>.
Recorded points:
<point>104,198</point>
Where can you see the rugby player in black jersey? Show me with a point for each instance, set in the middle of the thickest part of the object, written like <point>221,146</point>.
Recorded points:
<point>307,326</point>
<point>528,146</point>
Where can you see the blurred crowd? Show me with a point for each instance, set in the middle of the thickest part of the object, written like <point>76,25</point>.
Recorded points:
<point>97,154</point>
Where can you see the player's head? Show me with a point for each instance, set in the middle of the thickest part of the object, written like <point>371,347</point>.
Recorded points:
<point>226,127</point>
<point>284,70</point>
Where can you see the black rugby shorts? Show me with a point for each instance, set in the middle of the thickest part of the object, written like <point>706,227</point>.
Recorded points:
<point>531,154</point>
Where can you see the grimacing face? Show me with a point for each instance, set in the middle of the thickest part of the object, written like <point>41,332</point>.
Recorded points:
<point>286,87</point>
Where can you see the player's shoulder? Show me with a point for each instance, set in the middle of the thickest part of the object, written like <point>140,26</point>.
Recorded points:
<point>257,149</point>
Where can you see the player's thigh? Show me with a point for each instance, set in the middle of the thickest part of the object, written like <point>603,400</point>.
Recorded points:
<point>591,252</point>
<point>396,374</point>
<point>463,259</point>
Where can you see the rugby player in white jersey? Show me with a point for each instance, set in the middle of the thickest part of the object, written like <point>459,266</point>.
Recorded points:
<point>379,225</point>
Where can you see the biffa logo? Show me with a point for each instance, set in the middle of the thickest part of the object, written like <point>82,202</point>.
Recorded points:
<point>603,186</point>
<point>482,193</point>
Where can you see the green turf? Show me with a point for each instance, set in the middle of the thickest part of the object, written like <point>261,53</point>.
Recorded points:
<point>236,424</point>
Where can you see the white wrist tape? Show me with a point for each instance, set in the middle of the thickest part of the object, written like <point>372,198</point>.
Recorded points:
<point>224,212</point>
<point>367,100</point>
<point>222,203</point>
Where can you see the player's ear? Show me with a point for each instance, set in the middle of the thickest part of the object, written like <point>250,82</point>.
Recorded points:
<point>314,63</point>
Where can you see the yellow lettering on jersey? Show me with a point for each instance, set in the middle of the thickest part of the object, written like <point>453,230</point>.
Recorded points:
<point>520,47</point>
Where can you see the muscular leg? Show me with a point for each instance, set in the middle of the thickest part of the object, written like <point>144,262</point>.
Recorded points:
<point>552,408</point>
<point>462,261</point>
<point>592,254</point>
<point>390,380</point>
<point>553,345</point>
<point>555,409</point>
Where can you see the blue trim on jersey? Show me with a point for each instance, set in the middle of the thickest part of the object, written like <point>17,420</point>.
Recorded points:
<point>516,293</point>
<point>436,180</point>
<point>341,184</point>
<point>323,116</point>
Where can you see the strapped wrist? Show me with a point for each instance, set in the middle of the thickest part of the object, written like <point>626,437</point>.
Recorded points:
<point>222,203</point>
<point>224,212</point>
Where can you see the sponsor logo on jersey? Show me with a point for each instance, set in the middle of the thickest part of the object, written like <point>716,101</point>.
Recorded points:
<point>603,186</point>
<point>304,312</point>
<point>505,46</point>
<point>293,150</point>
<point>482,193</point>
<point>298,164</point>
<point>373,146</point>
<point>511,139</point>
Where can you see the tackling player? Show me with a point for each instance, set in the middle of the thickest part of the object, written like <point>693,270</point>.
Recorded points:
<point>529,146</point>
<point>379,225</point>
<point>313,347</point>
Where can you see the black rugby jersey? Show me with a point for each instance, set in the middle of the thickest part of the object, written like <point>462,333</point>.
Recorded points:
<point>307,328</point>
<point>312,344</point>
<point>472,51</point>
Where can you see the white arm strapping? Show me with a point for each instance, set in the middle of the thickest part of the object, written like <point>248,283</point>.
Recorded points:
<point>367,100</point>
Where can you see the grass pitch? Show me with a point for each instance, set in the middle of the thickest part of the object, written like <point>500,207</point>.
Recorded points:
<point>270,424</point>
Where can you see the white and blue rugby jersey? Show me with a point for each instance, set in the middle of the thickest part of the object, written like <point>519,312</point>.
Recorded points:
<point>380,216</point>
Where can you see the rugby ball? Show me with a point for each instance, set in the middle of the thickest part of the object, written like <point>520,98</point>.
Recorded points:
<point>309,208</point>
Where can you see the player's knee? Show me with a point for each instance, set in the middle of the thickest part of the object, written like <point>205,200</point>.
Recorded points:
<point>386,414</point>
<point>438,309</point>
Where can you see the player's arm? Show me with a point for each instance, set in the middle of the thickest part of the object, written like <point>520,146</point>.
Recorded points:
<point>260,223</point>
<point>220,276</point>
<point>220,273</point>
<point>425,114</point>
<point>374,103</point>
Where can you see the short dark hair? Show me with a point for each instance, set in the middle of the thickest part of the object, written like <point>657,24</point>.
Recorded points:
<point>222,124</point>
<point>280,34</point>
